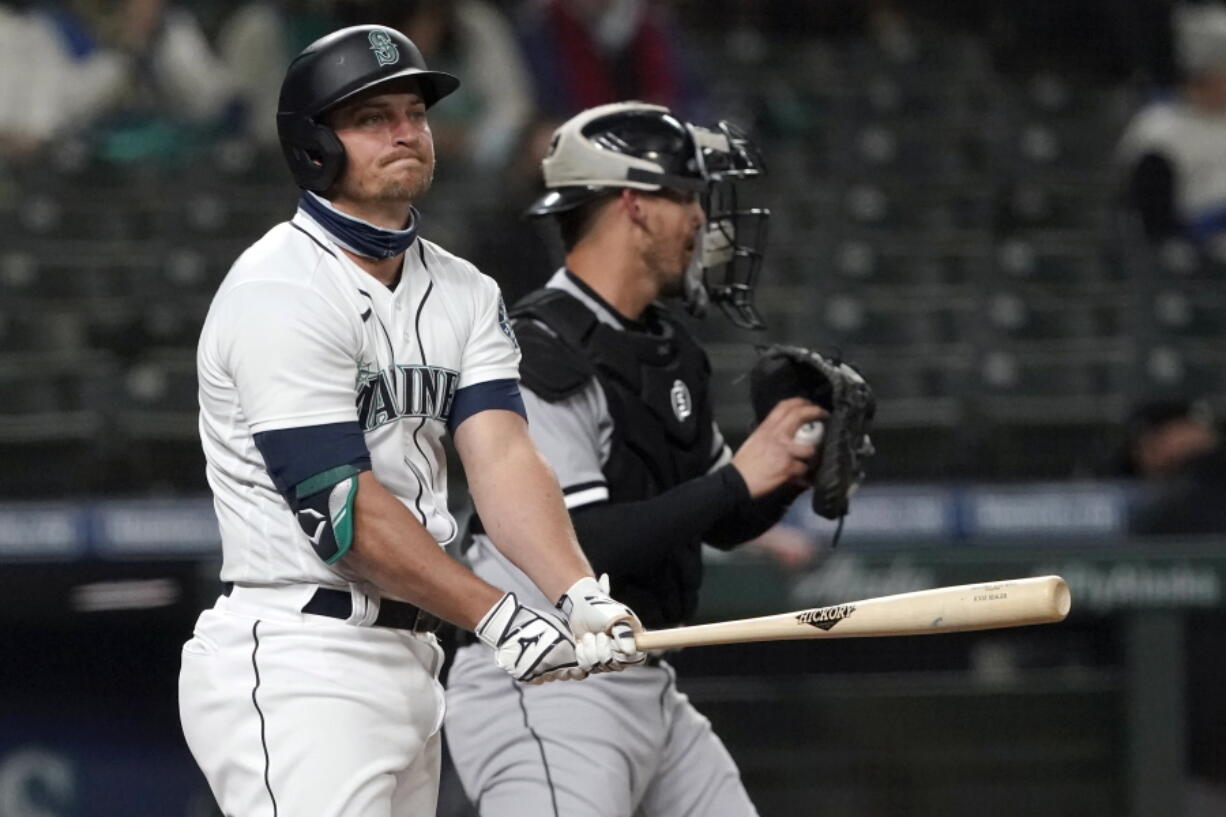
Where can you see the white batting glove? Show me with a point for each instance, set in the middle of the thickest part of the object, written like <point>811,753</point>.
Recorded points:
<point>533,647</point>
<point>603,628</point>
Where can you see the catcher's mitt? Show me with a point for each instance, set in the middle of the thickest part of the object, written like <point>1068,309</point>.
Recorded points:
<point>792,371</point>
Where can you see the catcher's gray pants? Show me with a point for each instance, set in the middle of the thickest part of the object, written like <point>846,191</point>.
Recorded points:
<point>615,745</point>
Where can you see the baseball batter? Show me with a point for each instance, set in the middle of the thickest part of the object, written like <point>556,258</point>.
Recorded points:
<point>617,392</point>
<point>339,350</point>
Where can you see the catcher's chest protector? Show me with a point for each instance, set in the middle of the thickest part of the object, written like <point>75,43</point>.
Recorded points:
<point>655,383</point>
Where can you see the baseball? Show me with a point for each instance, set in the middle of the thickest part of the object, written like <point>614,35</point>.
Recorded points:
<point>810,433</point>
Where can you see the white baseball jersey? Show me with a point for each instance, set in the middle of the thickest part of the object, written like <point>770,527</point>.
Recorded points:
<point>298,335</point>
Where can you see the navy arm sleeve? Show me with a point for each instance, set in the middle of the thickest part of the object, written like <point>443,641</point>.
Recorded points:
<point>293,456</point>
<point>491,394</point>
<point>751,518</point>
<point>632,537</point>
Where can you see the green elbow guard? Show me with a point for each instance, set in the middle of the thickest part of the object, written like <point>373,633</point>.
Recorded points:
<point>324,508</point>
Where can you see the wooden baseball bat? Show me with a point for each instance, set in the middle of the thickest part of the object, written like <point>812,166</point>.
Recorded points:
<point>1009,603</point>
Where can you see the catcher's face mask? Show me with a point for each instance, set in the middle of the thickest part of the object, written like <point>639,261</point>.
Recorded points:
<point>734,238</point>
<point>644,147</point>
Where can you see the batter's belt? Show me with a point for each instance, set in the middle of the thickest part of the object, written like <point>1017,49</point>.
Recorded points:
<point>334,603</point>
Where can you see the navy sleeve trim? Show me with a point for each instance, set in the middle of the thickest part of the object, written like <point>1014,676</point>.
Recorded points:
<point>293,455</point>
<point>492,394</point>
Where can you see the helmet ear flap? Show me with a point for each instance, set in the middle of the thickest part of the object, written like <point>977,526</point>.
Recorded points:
<point>314,152</point>
<point>331,158</point>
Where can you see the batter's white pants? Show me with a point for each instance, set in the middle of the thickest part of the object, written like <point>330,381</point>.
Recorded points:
<point>624,744</point>
<point>297,715</point>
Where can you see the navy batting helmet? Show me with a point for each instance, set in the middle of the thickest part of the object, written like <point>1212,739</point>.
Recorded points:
<point>329,71</point>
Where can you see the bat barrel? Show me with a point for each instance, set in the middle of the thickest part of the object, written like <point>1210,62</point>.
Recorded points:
<point>962,608</point>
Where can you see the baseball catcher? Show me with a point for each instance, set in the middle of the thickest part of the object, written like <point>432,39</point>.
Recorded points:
<point>648,207</point>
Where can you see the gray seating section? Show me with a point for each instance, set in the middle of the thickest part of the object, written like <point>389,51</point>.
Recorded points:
<point>952,231</point>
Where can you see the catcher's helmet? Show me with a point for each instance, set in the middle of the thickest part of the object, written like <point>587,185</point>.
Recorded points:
<point>645,147</point>
<point>329,71</point>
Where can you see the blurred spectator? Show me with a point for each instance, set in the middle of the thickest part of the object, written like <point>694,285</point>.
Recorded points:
<point>1174,447</point>
<point>1172,150</point>
<point>470,39</point>
<point>584,53</point>
<point>65,66</point>
<point>256,42</point>
<point>796,541</point>
<point>790,546</point>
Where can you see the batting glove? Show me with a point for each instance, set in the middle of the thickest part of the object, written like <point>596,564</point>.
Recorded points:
<point>603,628</point>
<point>533,647</point>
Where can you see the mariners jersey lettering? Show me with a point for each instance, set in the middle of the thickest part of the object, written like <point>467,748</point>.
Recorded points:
<point>297,336</point>
<point>405,391</point>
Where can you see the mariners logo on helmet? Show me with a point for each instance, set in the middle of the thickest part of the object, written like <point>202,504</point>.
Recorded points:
<point>385,50</point>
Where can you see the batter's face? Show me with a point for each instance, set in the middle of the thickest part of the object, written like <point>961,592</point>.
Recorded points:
<point>389,150</point>
<point>670,222</point>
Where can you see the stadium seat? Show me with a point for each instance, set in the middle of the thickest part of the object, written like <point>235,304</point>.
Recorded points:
<point>1038,202</point>
<point>853,321</point>
<point>1059,383</point>
<point>159,396</point>
<point>48,396</point>
<point>890,204</point>
<point>919,263</point>
<point>49,328</point>
<point>1190,312</point>
<point>911,149</point>
<point>1065,260</point>
<point>1187,367</point>
<point>1047,316</point>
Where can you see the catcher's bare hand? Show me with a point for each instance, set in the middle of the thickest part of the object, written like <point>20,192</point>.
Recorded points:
<point>771,456</point>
